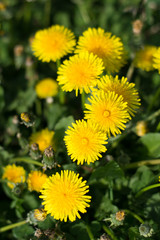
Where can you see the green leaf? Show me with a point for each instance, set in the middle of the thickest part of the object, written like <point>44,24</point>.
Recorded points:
<point>105,208</point>
<point>110,171</point>
<point>152,142</point>
<point>79,231</point>
<point>48,223</point>
<point>142,178</point>
<point>53,114</point>
<point>23,232</point>
<point>134,233</point>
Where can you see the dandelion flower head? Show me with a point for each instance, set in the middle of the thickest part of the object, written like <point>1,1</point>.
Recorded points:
<point>107,47</point>
<point>53,43</point>
<point>84,142</point>
<point>35,180</point>
<point>64,196</point>
<point>46,88</point>
<point>156,60</point>
<point>43,138</point>
<point>14,174</point>
<point>108,110</point>
<point>144,58</point>
<point>121,87</point>
<point>80,72</point>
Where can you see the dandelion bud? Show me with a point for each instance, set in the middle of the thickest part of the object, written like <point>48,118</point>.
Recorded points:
<point>120,215</point>
<point>49,158</point>
<point>31,218</point>
<point>38,233</point>
<point>34,151</point>
<point>141,128</point>
<point>137,26</point>
<point>18,50</point>
<point>104,237</point>
<point>145,230</point>
<point>18,188</point>
<point>116,219</point>
<point>27,119</point>
<point>40,214</point>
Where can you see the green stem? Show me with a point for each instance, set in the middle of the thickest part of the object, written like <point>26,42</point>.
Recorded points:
<point>61,92</point>
<point>111,191</point>
<point>26,160</point>
<point>8,227</point>
<point>146,189</point>
<point>47,12</point>
<point>141,163</point>
<point>90,234</point>
<point>154,115</point>
<point>134,215</point>
<point>109,232</point>
<point>155,99</point>
<point>83,100</point>
<point>130,72</point>
<point>38,107</point>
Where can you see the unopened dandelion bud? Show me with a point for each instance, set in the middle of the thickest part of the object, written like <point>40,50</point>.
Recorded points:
<point>137,26</point>
<point>31,218</point>
<point>49,157</point>
<point>34,151</point>
<point>104,237</point>
<point>40,214</point>
<point>15,120</point>
<point>18,57</point>
<point>145,230</point>
<point>120,215</point>
<point>27,119</point>
<point>18,50</point>
<point>116,219</point>
<point>18,188</point>
<point>38,233</point>
<point>141,128</point>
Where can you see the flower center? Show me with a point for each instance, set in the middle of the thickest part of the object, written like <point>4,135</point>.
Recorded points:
<point>106,113</point>
<point>85,141</point>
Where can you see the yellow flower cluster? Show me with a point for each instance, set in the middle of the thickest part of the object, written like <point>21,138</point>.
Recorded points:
<point>111,104</point>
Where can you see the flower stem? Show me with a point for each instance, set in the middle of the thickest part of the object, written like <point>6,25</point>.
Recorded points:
<point>147,188</point>
<point>134,215</point>
<point>26,160</point>
<point>8,227</point>
<point>38,107</point>
<point>83,100</point>
<point>61,92</point>
<point>109,232</point>
<point>90,234</point>
<point>154,115</point>
<point>141,163</point>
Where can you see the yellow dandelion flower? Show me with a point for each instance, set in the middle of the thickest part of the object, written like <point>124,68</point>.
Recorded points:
<point>144,58</point>
<point>80,72</point>
<point>84,142</point>
<point>121,87</point>
<point>156,60</point>
<point>35,180</point>
<point>65,196</point>
<point>43,138</point>
<point>46,88</point>
<point>53,43</point>
<point>14,174</point>
<point>141,128</point>
<point>108,110</point>
<point>107,47</point>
